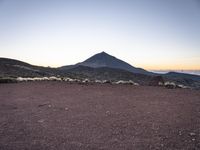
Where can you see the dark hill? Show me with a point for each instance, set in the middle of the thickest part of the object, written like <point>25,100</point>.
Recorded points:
<point>112,74</point>
<point>176,75</point>
<point>183,78</point>
<point>16,68</point>
<point>105,60</point>
<point>100,70</point>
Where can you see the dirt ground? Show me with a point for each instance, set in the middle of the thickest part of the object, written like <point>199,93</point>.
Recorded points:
<point>62,116</point>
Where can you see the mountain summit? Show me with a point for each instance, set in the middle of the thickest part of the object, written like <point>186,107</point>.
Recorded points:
<point>105,60</point>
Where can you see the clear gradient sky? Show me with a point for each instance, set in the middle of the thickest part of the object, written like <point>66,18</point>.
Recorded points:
<point>153,34</point>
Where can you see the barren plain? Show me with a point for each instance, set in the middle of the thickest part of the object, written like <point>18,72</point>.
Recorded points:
<point>61,116</point>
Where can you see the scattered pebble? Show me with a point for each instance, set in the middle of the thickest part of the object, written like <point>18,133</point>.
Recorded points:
<point>44,104</point>
<point>41,120</point>
<point>108,112</point>
<point>192,134</point>
<point>180,133</point>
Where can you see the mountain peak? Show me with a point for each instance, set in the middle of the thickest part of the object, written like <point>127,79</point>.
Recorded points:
<point>104,59</point>
<point>103,53</point>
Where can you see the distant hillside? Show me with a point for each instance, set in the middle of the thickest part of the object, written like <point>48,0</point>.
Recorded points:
<point>105,60</point>
<point>16,68</point>
<point>112,74</point>
<point>183,78</point>
<point>176,75</point>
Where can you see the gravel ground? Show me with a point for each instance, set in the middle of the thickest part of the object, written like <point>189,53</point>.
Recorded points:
<point>62,116</point>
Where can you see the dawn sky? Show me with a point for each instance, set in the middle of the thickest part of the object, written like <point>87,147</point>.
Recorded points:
<point>152,34</point>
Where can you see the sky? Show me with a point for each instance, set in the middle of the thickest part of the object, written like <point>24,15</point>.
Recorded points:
<point>151,34</point>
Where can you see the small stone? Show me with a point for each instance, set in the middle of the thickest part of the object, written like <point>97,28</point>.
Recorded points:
<point>41,120</point>
<point>192,134</point>
<point>66,108</point>
<point>107,112</point>
<point>193,139</point>
<point>180,133</point>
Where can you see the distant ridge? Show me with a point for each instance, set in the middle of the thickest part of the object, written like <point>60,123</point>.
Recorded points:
<point>101,66</point>
<point>15,68</point>
<point>105,60</point>
<point>178,75</point>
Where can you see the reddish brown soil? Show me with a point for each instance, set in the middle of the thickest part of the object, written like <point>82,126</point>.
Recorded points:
<point>61,116</point>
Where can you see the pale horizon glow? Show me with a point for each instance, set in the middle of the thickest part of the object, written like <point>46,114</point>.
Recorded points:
<point>154,35</point>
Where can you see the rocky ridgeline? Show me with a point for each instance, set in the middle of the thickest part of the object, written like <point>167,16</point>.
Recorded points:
<point>172,85</point>
<point>67,79</point>
<point>64,79</point>
<point>169,85</point>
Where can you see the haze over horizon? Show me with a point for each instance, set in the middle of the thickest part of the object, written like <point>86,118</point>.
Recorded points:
<point>154,35</point>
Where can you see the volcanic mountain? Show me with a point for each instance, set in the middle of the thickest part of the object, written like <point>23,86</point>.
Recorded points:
<point>105,60</point>
<point>101,66</point>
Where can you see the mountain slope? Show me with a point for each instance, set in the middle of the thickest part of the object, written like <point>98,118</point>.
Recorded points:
<point>105,60</point>
<point>183,78</point>
<point>16,68</point>
<point>111,74</point>
<point>176,75</point>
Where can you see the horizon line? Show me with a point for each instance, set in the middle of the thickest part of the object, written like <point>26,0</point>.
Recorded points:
<point>146,68</point>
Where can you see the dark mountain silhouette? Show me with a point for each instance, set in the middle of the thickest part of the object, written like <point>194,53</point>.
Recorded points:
<point>110,74</point>
<point>183,78</point>
<point>105,60</point>
<point>16,68</point>
<point>182,75</point>
<point>101,66</point>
